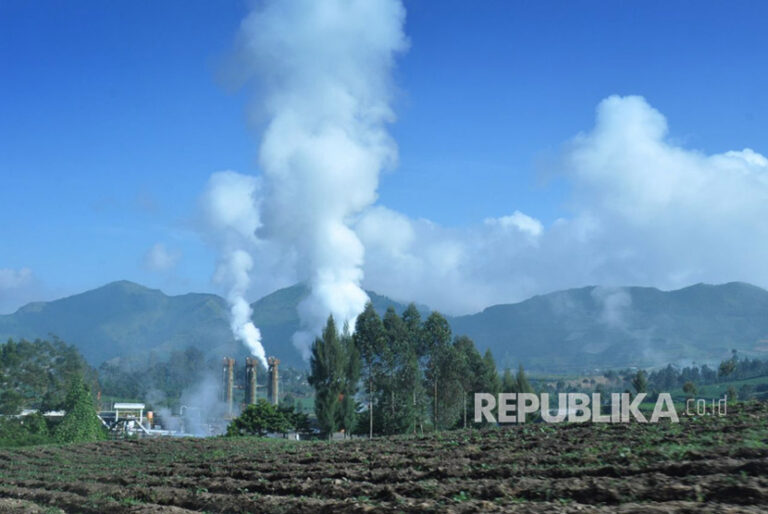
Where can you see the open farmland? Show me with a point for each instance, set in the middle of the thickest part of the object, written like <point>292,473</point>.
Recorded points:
<point>712,464</point>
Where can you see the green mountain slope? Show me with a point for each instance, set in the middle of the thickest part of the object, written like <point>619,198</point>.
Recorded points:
<point>124,319</point>
<point>568,330</point>
<point>277,319</point>
<point>594,327</point>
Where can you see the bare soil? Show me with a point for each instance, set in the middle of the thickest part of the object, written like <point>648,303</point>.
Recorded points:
<point>703,464</point>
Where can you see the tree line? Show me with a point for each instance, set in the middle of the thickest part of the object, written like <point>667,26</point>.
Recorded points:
<point>79,424</point>
<point>37,374</point>
<point>400,374</point>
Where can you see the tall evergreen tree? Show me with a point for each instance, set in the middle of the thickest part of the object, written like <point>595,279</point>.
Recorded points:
<point>81,422</point>
<point>640,382</point>
<point>327,376</point>
<point>491,383</point>
<point>508,382</point>
<point>523,386</point>
<point>352,364</point>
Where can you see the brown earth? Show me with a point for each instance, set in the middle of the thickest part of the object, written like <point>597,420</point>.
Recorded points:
<point>703,464</point>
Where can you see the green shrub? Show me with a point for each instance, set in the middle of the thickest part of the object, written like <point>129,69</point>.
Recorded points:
<point>81,422</point>
<point>259,419</point>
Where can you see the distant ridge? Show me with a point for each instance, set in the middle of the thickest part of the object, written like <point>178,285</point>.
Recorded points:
<point>593,327</point>
<point>575,329</point>
<point>125,319</point>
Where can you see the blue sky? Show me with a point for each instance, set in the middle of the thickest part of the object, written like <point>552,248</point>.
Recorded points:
<point>114,115</point>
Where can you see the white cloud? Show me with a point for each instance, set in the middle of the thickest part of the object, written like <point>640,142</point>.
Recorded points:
<point>519,221</point>
<point>159,258</point>
<point>17,287</point>
<point>646,212</point>
<point>14,278</point>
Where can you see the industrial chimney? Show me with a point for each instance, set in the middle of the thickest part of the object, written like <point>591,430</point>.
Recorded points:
<point>250,380</point>
<point>273,379</point>
<point>229,382</point>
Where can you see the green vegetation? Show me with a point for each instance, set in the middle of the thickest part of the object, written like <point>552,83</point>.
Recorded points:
<point>37,375</point>
<point>562,332</point>
<point>152,377</point>
<point>24,430</point>
<point>44,376</point>
<point>741,379</point>
<point>335,371</point>
<point>411,372</point>
<point>637,467</point>
<point>640,382</point>
<point>81,423</point>
<point>131,322</point>
<point>263,417</point>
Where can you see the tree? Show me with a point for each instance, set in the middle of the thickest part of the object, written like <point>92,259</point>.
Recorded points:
<point>412,374</point>
<point>392,398</point>
<point>11,402</point>
<point>369,340</point>
<point>435,345</point>
<point>327,376</point>
<point>689,388</point>
<point>37,375</point>
<point>470,369</point>
<point>455,379</point>
<point>81,422</point>
<point>640,382</point>
<point>410,384</point>
<point>297,420</point>
<point>727,367</point>
<point>259,419</point>
<point>508,382</point>
<point>490,379</point>
<point>352,366</point>
<point>523,386</point>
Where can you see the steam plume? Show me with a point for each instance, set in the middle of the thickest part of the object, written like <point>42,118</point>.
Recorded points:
<point>231,210</point>
<point>323,70</point>
<point>238,266</point>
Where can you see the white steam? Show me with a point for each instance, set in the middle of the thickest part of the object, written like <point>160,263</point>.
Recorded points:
<point>323,72</point>
<point>235,271</point>
<point>230,208</point>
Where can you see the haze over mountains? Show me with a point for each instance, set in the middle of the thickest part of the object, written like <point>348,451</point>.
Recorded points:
<point>575,329</point>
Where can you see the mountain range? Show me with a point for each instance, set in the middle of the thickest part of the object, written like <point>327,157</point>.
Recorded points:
<point>565,331</point>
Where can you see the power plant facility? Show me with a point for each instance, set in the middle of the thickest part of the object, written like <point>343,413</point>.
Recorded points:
<point>251,366</point>
<point>194,418</point>
<point>274,384</point>
<point>251,386</point>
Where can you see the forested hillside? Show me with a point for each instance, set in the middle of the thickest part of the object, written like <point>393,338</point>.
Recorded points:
<point>565,331</point>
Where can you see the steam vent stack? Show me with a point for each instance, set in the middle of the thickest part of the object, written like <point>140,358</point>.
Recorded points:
<point>229,382</point>
<point>273,379</point>
<point>250,380</point>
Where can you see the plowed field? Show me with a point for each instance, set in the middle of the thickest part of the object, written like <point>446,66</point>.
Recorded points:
<point>704,464</point>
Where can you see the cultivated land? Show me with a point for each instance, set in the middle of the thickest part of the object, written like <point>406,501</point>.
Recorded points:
<point>704,464</point>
